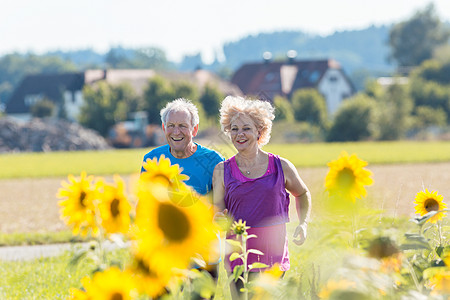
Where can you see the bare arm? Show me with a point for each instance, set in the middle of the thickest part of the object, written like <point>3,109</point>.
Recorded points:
<point>295,185</point>
<point>218,187</point>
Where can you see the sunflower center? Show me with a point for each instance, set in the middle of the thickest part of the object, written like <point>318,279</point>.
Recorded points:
<point>82,198</point>
<point>145,269</point>
<point>345,178</point>
<point>117,296</point>
<point>431,205</point>
<point>173,222</point>
<point>115,208</point>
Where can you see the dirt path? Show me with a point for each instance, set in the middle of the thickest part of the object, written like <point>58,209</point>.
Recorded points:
<point>30,205</point>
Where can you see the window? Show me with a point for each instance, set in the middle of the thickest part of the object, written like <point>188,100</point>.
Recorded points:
<point>332,78</point>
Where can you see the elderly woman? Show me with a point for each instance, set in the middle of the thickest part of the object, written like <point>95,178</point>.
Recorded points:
<point>254,185</point>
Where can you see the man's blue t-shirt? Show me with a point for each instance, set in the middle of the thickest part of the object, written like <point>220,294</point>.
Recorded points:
<point>199,166</point>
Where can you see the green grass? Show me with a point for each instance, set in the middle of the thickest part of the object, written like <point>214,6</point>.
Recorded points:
<point>128,161</point>
<point>46,278</point>
<point>38,238</point>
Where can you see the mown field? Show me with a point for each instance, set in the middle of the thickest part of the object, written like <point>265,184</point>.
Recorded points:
<point>128,161</point>
<point>29,181</point>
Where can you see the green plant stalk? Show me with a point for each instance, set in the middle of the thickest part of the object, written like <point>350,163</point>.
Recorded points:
<point>244,261</point>
<point>440,233</point>
<point>414,277</point>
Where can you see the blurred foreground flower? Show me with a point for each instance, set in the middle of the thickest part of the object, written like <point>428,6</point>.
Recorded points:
<point>168,235</point>
<point>430,201</point>
<point>107,285</point>
<point>77,206</point>
<point>333,286</point>
<point>441,283</point>
<point>148,281</point>
<point>265,285</point>
<point>347,177</point>
<point>162,172</point>
<point>114,207</point>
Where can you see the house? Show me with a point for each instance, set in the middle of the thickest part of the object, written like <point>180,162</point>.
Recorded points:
<point>56,87</point>
<point>268,78</point>
<point>66,89</point>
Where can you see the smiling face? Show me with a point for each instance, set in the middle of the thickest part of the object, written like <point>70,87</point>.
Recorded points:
<point>243,132</point>
<point>179,133</point>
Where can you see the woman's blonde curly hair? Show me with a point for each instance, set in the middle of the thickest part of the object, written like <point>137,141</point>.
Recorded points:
<point>261,112</point>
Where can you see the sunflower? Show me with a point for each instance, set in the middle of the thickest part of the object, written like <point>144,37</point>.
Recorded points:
<point>266,282</point>
<point>430,201</point>
<point>114,207</point>
<point>333,285</point>
<point>239,227</point>
<point>148,281</point>
<point>441,283</point>
<point>76,294</point>
<point>162,172</point>
<point>77,206</point>
<point>167,235</point>
<point>111,284</point>
<point>347,177</point>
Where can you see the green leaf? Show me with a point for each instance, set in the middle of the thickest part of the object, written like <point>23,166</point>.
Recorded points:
<point>234,243</point>
<point>234,256</point>
<point>416,238</point>
<point>237,271</point>
<point>420,220</point>
<point>257,265</point>
<point>255,251</point>
<point>250,236</point>
<point>414,246</point>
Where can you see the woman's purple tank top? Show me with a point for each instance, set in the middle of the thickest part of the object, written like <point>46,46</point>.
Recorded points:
<point>260,202</point>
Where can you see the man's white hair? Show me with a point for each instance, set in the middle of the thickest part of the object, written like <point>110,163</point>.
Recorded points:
<point>180,104</point>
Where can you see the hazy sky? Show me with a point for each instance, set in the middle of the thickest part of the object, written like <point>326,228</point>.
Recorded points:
<point>184,26</point>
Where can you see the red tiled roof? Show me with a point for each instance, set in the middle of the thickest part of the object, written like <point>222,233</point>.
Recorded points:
<point>268,77</point>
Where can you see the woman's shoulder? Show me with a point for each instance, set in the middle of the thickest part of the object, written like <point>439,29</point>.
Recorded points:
<point>285,163</point>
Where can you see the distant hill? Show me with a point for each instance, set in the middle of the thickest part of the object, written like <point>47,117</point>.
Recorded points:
<point>361,53</point>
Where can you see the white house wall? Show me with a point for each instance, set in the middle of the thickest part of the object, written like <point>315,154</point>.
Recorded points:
<point>335,88</point>
<point>72,103</point>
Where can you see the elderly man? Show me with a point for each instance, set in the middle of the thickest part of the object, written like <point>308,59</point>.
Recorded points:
<point>180,125</point>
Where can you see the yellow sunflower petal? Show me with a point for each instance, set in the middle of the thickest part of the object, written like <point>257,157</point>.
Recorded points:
<point>114,207</point>
<point>111,284</point>
<point>427,201</point>
<point>168,235</point>
<point>346,177</point>
<point>162,172</point>
<point>78,204</point>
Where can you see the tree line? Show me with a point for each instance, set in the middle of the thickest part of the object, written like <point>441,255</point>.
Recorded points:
<point>418,46</point>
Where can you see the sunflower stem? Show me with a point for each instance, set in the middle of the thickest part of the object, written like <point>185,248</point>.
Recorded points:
<point>244,260</point>
<point>414,277</point>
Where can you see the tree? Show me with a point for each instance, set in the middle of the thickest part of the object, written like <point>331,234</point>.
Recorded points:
<point>150,58</point>
<point>354,120</point>
<point>395,107</point>
<point>127,101</point>
<point>310,106</point>
<point>98,109</point>
<point>414,40</point>
<point>159,91</point>
<point>210,101</point>
<point>426,116</point>
<point>283,109</point>
<point>430,86</point>
<point>43,108</point>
